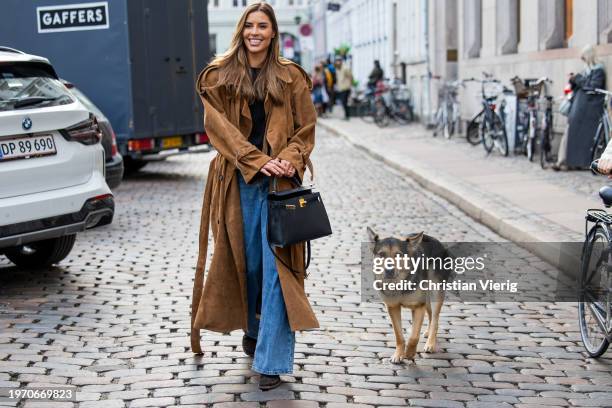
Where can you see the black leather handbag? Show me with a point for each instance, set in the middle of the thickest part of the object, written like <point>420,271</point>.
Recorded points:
<point>296,215</point>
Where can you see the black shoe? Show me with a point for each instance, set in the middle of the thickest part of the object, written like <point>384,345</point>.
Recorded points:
<point>248,345</point>
<point>269,382</point>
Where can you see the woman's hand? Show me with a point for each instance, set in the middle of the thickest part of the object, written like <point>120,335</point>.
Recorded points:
<point>273,168</point>
<point>278,167</point>
<point>288,167</point>
<point>605,165</point>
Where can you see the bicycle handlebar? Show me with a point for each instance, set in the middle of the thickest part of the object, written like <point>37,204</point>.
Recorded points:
<point>594,91</point>
<point>544,79</point>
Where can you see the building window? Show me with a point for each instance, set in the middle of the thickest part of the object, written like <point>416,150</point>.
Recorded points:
<point>216,3</point>
<point>518,23</point>
<point>604,13</point>
<point>212,44</point>
<point>553,28</point>
<point>235,2</point>
<point>569,19</point>
<point>472,29</point>
<point>508,26</point>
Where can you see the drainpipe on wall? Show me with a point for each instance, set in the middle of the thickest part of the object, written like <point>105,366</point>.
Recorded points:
<point>428,117</point>
<point>325,28</point>
<point>395,55</point>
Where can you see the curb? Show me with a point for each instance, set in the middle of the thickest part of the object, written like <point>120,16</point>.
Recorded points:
<point>518,228</point>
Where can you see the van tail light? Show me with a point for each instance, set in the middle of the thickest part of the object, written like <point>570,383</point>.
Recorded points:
<point>86,132</point>
<point>141,144</point>
<point>201,138</point>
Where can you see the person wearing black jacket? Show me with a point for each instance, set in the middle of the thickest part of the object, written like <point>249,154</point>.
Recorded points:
<point>376,75</point>
<point>584,115</point>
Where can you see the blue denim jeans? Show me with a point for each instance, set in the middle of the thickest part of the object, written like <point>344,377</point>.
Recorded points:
<point>275,340</point>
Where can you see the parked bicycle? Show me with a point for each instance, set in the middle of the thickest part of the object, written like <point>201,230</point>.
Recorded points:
<point>534,122</point>
<point>491,127</point>
<point>595,301</point>
<point>388,101</point>
<point>602,134</point>
<point>447,117</point>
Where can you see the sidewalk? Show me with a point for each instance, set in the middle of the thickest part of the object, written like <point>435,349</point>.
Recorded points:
<point>510,195</point>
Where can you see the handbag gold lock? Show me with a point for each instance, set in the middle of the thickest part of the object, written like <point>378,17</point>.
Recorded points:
<point>302,202</point>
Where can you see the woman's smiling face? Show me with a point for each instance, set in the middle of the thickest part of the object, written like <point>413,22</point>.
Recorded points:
<point>257,33</point>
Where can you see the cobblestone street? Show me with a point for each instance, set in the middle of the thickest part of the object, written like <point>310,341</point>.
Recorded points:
<point>113,318</point>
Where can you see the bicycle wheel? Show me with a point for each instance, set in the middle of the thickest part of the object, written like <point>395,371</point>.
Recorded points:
<point>546,155</point>
<point>380,115</point>
<point>448,123</point>
<point>531,138</point>
<point>439,124</point>
<point>486,135</point>
<point>402,112</point>
<point>600,142</point>
<point>368,111</point>
<point>453,122</point>
<point>473,130</point>
<point>500,138</point>
<point>594,278</point>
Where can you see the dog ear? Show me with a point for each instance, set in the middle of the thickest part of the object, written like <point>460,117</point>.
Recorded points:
<point>415,239</point>
<point>372,236</point>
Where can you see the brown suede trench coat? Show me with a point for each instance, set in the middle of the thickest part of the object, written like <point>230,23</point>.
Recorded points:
<point>221,303</point>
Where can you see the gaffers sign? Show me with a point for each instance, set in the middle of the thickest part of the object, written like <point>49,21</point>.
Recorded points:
<point>73,17</point>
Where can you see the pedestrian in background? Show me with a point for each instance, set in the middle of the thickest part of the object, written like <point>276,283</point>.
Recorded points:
<point>376,75</point>
<point>584,114</point>
<point>330,83</point>
<point>344,84</point>
<point>246,288</point>
<point>318,90</point>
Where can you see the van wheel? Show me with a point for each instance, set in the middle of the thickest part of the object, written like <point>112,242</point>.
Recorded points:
<point>131,166</point>
<point>41,254</point>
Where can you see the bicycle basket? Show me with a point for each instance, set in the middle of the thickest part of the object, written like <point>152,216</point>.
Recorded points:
<point>534,87</point>
<point>492,89</point>
<point>401,92</point>
<point>519,87</point>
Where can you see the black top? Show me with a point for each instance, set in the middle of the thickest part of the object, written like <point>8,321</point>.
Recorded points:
<point>258,116</point>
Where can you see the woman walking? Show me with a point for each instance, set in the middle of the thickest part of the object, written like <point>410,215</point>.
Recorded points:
<point>260,118</point>
<point>584,114</point>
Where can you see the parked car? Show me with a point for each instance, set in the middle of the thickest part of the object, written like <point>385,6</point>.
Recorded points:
<point>114,160</point>
<point>51,164</point>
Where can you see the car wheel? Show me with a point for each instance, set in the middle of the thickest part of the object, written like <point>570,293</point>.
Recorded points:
<point>42,253</point>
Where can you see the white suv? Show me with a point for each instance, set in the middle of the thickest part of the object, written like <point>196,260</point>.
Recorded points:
<point>51,164</point>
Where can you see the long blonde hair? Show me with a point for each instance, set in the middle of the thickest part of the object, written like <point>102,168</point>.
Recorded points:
<point>233,64</point>
<point>589,55</point>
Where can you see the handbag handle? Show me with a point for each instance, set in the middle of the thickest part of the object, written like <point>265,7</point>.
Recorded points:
<point>294,179</point>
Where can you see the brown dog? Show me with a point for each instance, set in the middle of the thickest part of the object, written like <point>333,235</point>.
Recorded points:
<point>420,301</point>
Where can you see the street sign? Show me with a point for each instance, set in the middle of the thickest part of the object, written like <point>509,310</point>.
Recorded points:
<point>333,6</point>
<point>306,30</point>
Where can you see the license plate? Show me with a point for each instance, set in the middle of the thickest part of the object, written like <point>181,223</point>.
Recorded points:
<point>172,142</point>
<point>26,147</point>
